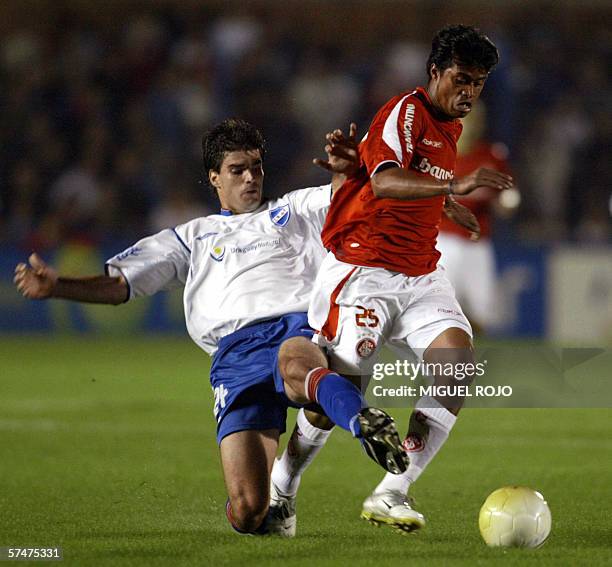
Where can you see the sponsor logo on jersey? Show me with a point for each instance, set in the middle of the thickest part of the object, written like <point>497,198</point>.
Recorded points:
<point>432,143</point>
<point>258,246</point>
<point>413,443</point>
<point>408,121</point>
<point>280,215</point>
<point>131,251</point>
<point>366,347</point>
<point>434,170</point>
<point>217,253</point>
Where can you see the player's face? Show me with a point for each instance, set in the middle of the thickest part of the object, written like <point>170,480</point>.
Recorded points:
<point>240,180</point>
<point>455,90</point>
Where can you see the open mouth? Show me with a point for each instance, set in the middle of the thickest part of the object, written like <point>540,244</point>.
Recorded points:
<point>465,106</point>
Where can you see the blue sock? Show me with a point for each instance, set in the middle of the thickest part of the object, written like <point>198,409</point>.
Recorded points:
<point>340,399</point>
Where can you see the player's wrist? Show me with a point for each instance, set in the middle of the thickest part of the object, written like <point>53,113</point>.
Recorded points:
<point>450,188</point>
<point>56,288</point>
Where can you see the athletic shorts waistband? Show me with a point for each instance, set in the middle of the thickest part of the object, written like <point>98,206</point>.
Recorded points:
<point>250,329</point>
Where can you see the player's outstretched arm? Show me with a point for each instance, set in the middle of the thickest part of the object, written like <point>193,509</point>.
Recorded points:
<point>40,281</point>
<point>482,177</point>
<point>400,183</point>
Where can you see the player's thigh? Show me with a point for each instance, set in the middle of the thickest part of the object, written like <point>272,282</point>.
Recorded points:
<point>354,344</point>
<point>431,315</point>
<point>352,308</point>
<point>453,347</point>
<point>247,458</point>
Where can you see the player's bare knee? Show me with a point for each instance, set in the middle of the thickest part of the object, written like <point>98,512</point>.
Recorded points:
<point>450,351</point>
<point>296,357</point>
<point>296,393</point>
<point>452,360</point>
<point>248,511</point>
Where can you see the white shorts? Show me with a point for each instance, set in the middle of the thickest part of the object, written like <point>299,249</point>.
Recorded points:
<point>470,267</point>
<point>356,310</point>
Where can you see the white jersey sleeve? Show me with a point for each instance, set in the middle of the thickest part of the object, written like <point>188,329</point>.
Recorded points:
<point>312,204</point>
<point>155,263</point>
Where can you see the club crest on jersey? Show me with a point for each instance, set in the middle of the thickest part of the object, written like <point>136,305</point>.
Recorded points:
<point>365,347</point>
<point>280,215</point>
<point>217,253</point>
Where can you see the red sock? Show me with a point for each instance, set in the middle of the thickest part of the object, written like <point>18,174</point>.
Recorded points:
<point>313,378</point>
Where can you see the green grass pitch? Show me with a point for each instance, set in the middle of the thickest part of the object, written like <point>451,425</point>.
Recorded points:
<point>108,450</point>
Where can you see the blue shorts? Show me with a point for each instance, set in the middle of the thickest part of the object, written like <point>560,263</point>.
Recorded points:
<point>248,389</point>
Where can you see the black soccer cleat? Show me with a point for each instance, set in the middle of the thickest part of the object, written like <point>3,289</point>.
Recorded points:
<point>381,441</point>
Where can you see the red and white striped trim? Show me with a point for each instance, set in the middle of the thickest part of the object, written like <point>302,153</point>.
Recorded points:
<point>311,383</point>
<point>330,328</point>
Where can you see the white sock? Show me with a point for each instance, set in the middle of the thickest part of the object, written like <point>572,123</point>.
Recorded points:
<point>304,444</point>
<point>430,425</point>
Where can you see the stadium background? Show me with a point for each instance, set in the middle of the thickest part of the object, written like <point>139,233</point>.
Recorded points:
<point>102,107</point>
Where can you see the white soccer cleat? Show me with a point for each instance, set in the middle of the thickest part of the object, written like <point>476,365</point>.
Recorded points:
<point>392,508</point>
<point>282,518</point>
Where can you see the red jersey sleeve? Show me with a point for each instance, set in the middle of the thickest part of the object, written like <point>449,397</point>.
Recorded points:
<point>393,134</point>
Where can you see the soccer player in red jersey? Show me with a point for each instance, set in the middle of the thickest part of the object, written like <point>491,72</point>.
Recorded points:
<point>381,282</point>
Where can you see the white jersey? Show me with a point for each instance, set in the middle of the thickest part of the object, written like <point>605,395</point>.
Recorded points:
<point>236,269</point>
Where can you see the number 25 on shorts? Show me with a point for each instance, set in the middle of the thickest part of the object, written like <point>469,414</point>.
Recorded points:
<point>366,317</point>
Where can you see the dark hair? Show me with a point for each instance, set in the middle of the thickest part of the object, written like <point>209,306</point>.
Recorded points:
<point>231,135</point>
<point>463,45</point>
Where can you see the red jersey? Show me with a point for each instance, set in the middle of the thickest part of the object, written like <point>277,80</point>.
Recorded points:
<point>483,154</point>
<point>398,235</point>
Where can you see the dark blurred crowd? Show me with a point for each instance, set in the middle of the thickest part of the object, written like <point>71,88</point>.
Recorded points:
<point>102,124</point>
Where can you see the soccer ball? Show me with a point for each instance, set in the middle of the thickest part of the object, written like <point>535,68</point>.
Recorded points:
<point>514,516</point>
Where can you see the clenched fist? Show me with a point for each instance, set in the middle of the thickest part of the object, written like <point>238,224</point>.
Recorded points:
<point>37,280</point>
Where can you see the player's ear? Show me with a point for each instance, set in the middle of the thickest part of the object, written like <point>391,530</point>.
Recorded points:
<point>434,72</point>
<point>213,178</point>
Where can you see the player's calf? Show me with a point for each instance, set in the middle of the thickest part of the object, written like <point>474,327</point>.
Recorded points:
<point>247,458</point>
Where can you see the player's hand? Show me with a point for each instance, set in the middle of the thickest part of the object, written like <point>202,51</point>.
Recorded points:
<point>482,177</point>
<point>462,216</point>
<point>37,280</point>
<point>342,152</point>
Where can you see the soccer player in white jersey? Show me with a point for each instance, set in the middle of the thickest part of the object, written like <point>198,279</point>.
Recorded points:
<point>247,274</point>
